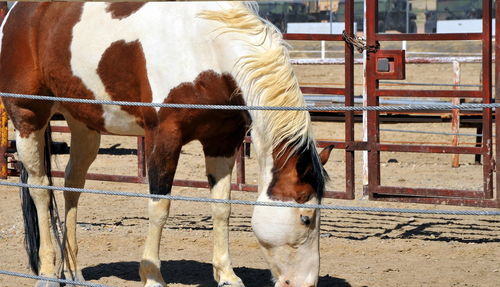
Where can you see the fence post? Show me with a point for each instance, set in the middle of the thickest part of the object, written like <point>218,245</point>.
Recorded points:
<point>3,10</point>
<point>4,130</point>
<point>240,167</point>
<point>4,141</point>
<point>455,114</point>
<point>141,158</point>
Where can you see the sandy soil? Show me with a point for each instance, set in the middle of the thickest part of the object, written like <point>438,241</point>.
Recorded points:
<point>357,249</point>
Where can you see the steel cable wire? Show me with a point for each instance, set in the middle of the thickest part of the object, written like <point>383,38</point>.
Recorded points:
<point>48,279</point>
<point>254,203</point>
<point>269,108</point>
<point>225,107</point>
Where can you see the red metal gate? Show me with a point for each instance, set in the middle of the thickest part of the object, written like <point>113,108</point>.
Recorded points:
<point>394,60</point>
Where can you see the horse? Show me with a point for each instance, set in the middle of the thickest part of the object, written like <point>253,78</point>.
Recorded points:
<point>209,53</point>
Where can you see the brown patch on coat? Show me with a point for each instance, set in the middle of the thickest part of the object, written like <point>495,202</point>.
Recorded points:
<point>123,72</point>
<point>296,177</point>
<point>220,131</point>
<point>123,10</point>
<point>55,57</point>
<point>36,58</point>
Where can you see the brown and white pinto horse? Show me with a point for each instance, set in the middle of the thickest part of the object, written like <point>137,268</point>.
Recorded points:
<point>200,53</point>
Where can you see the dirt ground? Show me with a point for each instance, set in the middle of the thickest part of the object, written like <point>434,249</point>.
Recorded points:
<point>357,249</point>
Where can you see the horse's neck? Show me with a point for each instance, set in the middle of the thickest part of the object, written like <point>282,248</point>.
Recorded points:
<point>265,175</point>
<point>270,128</point>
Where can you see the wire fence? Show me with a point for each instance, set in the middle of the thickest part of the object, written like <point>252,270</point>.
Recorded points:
<point>241,202</point>
<point>431,84</point>
<point>341,51</point>
<point>257,203</point>
<point>49,279</point>
<point>273,108</point>
<point>393,83</point>
<point>439,106</point>
<point>404,107</point>
<point>358,60</point>
<point>338,108</point>
<point>431,133</point>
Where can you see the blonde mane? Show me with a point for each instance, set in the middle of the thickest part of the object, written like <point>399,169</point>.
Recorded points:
<point>266,76</point>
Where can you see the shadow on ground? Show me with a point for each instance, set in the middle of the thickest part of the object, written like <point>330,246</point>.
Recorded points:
<point>190,272</point>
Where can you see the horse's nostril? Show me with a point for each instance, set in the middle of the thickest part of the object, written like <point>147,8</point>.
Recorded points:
<point>287,282</point>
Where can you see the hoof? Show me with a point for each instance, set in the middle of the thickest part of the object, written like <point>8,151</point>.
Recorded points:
<point>42,283</point>
<point>73,276</point>
<point>155,283</point>
<point>232,284</point>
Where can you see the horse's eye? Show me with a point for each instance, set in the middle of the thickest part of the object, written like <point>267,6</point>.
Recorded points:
<point>305,220</point>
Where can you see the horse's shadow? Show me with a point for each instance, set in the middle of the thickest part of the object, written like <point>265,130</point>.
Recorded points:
<point>190,272</point>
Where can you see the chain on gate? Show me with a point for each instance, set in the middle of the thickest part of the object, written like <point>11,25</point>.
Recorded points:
<point>360,43</point>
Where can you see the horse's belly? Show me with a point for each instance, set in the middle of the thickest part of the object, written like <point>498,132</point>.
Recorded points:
<point>112,120</point>
<point>117,121</point>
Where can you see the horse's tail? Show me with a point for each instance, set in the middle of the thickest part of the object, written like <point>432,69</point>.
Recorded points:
<point>31,227</point>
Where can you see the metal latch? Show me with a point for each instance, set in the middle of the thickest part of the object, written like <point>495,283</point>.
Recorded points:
<point>390,65</point>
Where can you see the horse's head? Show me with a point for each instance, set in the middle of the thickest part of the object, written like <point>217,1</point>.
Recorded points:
<point>289,237</point>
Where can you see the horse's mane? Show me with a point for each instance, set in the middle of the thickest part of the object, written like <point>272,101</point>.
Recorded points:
<point>265,75</point>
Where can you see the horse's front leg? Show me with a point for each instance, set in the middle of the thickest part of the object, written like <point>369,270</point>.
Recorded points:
<point>219,177</point>
<point>162,150</point>
<point>84,148</point>
<point>150,264</point>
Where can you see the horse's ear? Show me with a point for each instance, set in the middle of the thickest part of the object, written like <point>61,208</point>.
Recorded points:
<point>324,155</point>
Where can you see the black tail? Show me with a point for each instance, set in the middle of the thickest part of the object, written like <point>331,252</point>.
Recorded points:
<point>31,228</point>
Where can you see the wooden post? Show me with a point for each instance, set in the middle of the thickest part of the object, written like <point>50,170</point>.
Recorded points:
<point>141,158</point>
<point>240,167</point>
<point>3,10</point>
<point>4,130</point>
<point>4,142</point>
<point>455,114</point>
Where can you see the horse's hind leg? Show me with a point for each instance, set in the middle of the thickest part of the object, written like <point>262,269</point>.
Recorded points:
<point>84,148</point>
<point>219,177</point>
<point>30,151</point>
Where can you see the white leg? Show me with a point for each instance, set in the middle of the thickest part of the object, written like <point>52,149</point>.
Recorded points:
<point>219,175</point>
<point>162,157</point>
<point>31,153</point>
<point>150,264</point>
<point>84,148</point>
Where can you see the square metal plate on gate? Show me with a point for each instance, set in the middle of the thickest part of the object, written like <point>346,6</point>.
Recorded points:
<point>390,65</point>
